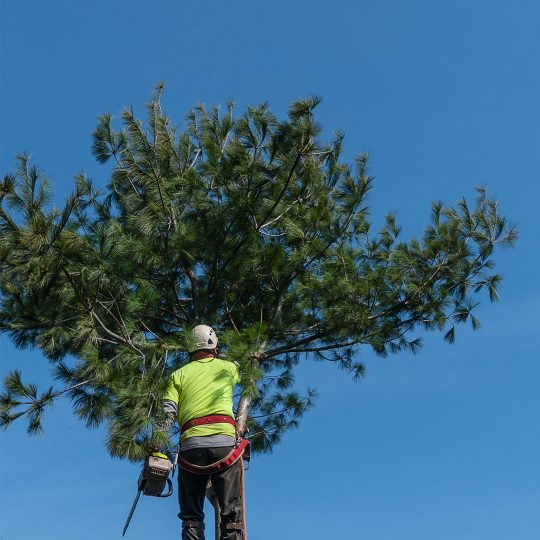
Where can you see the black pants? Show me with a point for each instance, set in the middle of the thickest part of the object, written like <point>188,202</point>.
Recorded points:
<point>227,485</point>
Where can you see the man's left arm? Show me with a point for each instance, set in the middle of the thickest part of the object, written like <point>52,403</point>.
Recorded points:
<point>170,410</point>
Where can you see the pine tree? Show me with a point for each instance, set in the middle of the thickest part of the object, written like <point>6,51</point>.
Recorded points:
<point>247,223</point>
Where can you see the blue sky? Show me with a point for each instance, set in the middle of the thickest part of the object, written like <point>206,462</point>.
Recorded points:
<point>444,96</point>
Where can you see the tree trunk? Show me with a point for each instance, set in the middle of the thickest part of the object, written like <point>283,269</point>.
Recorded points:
<point>241,420</point>
<point>212,498</point>
<point>242,414</point>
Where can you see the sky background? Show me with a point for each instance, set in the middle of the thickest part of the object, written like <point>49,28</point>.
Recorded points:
<point>444,96</point>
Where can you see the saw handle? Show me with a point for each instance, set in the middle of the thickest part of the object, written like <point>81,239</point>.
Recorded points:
<point>169,493</point>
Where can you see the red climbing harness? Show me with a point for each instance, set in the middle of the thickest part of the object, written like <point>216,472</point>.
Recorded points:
<point>210,419</point>
<point>230,459</point>
<point>241,449</point>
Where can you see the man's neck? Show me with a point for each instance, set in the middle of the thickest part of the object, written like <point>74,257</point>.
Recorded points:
<point>202,355</point>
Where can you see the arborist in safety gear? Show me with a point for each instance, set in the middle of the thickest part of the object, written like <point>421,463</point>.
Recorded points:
<point>199,396</point>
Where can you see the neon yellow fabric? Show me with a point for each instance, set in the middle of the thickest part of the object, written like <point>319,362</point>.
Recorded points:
<point>201,388</point>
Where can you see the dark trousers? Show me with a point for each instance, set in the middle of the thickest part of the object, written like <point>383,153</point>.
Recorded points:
<point>228,485</point>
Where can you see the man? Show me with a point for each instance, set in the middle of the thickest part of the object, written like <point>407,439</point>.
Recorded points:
<point>200,396</point>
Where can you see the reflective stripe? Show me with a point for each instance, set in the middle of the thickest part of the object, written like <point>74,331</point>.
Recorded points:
<point>192,524</point>
<point>235,526</point>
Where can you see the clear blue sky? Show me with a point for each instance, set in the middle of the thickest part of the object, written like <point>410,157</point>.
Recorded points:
<point>444,96</point>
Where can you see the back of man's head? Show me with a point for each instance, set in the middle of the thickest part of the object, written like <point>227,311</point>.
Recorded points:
<point>203,339</point>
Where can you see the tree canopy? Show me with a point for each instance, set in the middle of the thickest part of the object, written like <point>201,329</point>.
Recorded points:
<point>249,223</point>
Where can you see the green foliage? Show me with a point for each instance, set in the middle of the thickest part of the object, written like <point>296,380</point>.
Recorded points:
<point>18,395</point>
<point>251,224</point>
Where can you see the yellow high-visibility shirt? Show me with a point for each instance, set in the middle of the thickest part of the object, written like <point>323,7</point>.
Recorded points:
<point>201,388</point>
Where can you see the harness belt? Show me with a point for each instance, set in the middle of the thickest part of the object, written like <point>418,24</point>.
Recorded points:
<point>230,459</point>
<point>210,419</point>
<point>240,450</point>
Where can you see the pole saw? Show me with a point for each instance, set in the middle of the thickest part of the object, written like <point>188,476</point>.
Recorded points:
<point>152,480</point>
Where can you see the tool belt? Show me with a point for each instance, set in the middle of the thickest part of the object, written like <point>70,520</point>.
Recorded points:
<point>241,448</point>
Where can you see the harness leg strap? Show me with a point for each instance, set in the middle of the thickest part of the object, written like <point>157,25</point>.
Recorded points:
<point>238,526</point>
<point>188,524</point>
<point>192,530</point>
<point>232,531</point>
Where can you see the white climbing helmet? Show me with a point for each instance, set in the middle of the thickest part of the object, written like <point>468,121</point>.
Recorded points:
<point>204,338</point>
